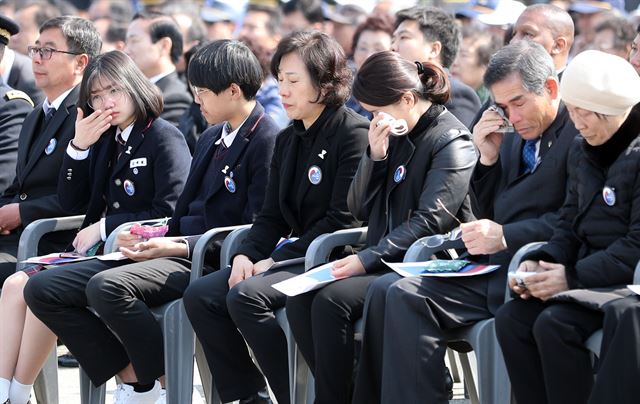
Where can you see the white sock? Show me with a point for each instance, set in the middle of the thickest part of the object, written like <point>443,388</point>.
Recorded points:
<point>19,393</point>
<point>4,389</point>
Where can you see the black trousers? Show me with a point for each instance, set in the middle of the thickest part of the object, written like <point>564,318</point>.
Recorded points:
<point>322,322</point>
<point>222,317</point>
<point>619,361</point>
<point>121,292</point>
<point>403,344</point>
<point>543,347</point>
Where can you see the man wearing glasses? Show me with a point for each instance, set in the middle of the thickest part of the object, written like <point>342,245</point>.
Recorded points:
<point>519,182</point>
<point>59,57</point>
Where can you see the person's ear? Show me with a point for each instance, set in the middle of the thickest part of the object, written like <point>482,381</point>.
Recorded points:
<point>559,45</point>
<point>165,45</point>
<point>433,51</point>
<point>552,87</point>
<point>81,62</point>
<point>235,91</point>
<point>408,99</point>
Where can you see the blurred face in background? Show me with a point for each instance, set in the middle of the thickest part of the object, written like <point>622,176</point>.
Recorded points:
<point>370,42</point>
<point>467,67</point>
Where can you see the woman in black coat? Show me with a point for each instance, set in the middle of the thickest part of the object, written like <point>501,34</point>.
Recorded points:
<point>127,163</point>
<point>405,187</point>
<point>313,164</point>
<point>591,257</point>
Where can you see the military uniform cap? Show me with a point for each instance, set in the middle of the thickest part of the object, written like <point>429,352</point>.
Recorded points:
<point>8,27</point>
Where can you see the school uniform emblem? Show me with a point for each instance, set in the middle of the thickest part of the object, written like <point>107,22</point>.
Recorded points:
<point>400,173</point>
<point>230,184</point>
<point>129,188</point>
<point>315,175</point>
<point>609,196</point>
<point>51,146</point>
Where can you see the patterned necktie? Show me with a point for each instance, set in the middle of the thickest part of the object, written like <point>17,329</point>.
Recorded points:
<point>49,114</point>
<point>529,155</point>
<point>120,145</point>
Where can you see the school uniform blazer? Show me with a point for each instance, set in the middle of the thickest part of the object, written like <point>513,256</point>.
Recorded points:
<point>246,162</point>
<point>156,161</point>
<point>35,186</point>
<point>176,97</point>
<point>398,195</point>
<point>339,142</point>
<point>526,205</point>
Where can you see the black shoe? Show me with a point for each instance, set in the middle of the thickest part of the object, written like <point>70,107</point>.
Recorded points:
<point>261,397</point>
<point>67,361</point>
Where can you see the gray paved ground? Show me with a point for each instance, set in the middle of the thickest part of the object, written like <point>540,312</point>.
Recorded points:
<point>70,393</point>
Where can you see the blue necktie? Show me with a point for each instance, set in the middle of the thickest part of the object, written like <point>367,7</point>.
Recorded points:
<point>529,155</point>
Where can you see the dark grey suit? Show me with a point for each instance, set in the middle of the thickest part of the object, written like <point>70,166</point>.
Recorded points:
<point>176,97</point>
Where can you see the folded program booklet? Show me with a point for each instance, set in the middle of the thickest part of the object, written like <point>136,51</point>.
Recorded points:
<point>68,257</point>
<point>441,268</point>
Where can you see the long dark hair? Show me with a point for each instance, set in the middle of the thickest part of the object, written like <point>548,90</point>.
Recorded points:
<point>385,77</point>
<point>117,67</point>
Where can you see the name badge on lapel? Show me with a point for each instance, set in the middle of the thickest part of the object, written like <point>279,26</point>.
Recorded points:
<point>141,162</point>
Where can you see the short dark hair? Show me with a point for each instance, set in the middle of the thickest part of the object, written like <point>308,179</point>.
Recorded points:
<point>163,26</point>
<point>385,76</point>
<point>117,67</point>
<point>311,9</point>
<point>81,35</point>
<point>435,25</point>
<point>221,63</point>
<point>487,42</point>
<point>529,60</point>
<point>117,32</point>
<point>45,11</point>
<point>275,16</point>
<point>324,60</point>
<point>375,22</point>
<point>623,32</point>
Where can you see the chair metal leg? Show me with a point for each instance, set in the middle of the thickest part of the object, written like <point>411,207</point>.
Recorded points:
<point>179,341</point>
<point>211,395</point>
<point>453,365</point>
<point>493,380</point>
<point>90,394</point>
<point>46,384</point>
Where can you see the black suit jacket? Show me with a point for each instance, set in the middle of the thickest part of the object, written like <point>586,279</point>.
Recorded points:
<point>176,96</point>
<point>35,186</point>
<point>248,161</point>
<point>464,103</point>
<point>21,78</point>
<point>526,205</point>
<point>340,139</point>
<point>156,160</point>
<point>438,157</point>
<point>13,111</point>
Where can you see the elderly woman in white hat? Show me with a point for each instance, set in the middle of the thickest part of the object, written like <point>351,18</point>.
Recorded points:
<point>585,267</point>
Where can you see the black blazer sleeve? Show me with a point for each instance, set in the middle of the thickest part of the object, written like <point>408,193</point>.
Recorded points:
<point>367,184</point>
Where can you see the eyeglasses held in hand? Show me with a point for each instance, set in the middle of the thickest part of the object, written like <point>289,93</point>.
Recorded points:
<point>438,239</point>
<point>46,53</point>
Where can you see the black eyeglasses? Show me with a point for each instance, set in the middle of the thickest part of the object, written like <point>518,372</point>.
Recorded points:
<point>45,53</point>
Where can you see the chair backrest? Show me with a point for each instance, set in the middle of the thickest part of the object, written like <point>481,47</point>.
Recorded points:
<point>231,244</point>
<point>517,258</point>
<point>320,249</point>
<point>31,235</point>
